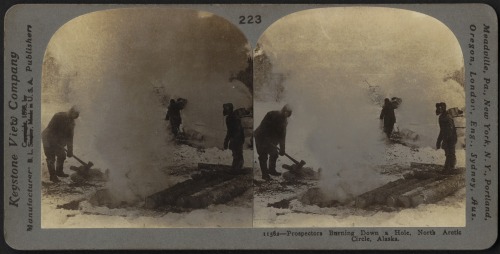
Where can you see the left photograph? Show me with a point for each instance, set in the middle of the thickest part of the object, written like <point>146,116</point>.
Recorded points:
<point>147,121</point>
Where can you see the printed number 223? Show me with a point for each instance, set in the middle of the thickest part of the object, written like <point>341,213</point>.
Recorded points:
<point>250,19</point>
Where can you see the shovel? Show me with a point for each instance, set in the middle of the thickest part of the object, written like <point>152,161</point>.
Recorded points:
<point>298,165</point>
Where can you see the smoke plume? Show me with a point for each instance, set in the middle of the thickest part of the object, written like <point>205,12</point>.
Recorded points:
<point>331,58</point>
<point>118,66</point>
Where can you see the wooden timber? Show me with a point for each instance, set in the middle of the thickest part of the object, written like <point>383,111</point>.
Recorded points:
<point>190,192</point>
<point>427,184</point>
<point>438,191</point>
<point>217,167</point>
<point>368,198</point>
<point>392,199</point>
<point>426,166</point>
<point>381,197</point>
<point>217,194</point>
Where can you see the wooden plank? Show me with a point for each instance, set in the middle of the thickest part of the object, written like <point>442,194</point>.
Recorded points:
<point>405,200</point>
<point>381,197</point>
<point>217,194</point>
<point>368,198</point>
<point>426,166</point>
<point>169,197</point>
<point>213,167</point>
<point>439,191</point>
<point>218,167</point>
<point>202,180</point>
<point>431,172</point>
<point>204,173</point>
<point>392,199</point>
<point>423,175</point>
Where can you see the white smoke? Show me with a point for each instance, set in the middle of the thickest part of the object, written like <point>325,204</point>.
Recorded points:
<point>115,62</point>
<point>330,57</point>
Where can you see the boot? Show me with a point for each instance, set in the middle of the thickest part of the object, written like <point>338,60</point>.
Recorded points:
<point>265,171</point>
<point>274,173</point>
<point>272,167</point>
<point>54,179</point>
<point>237,165</point>
<point>60,172</point>
<point>52,172</point>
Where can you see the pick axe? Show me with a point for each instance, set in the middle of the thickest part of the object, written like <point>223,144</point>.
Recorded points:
<point>298,165</point>
<point>86,166</point>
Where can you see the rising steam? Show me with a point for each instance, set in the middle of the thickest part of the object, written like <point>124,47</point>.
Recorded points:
<point>331,56</point>
<point>119,65</point>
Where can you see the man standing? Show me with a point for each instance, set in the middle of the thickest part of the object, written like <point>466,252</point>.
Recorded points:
<point>235,137</point>
<point>57,141</point>
<point>270,133</point>
<point>447,138</point>
<point>174,116</point>
<point>388,116</point>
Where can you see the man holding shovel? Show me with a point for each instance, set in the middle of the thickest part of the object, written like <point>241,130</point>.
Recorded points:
<point>270,133</point>
<point>56,138</point>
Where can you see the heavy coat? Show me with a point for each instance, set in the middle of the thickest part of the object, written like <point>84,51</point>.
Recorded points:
<point>272,129</point>
<point>59,133</point>
<point>388,115</point>
<point>235,136</point>
<point>174,113</point>
<point>447,133</point>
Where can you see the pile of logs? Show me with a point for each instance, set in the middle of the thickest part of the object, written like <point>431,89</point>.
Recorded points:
<point>212,184</point>
<point>424,185</point>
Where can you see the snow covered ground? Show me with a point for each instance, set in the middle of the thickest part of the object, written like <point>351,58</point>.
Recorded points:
<point>449,212</point>
<point>236,213</point>
<point>240,212</point>
<point>243,212</point>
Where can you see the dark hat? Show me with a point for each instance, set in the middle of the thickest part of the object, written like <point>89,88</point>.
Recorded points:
<point>74,112</point>
<point>287,110</point>
<point>227,108</point>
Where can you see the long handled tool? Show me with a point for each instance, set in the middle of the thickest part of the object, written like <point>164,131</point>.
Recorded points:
<point>86,166</point>
<point>298,165</point>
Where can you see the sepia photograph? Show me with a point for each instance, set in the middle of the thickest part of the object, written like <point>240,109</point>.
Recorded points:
<point>250,126</point>
<point>359,121</point>
<point>147,121</point>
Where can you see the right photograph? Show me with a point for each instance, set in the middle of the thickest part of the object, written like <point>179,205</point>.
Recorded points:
<point>359,121</point>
